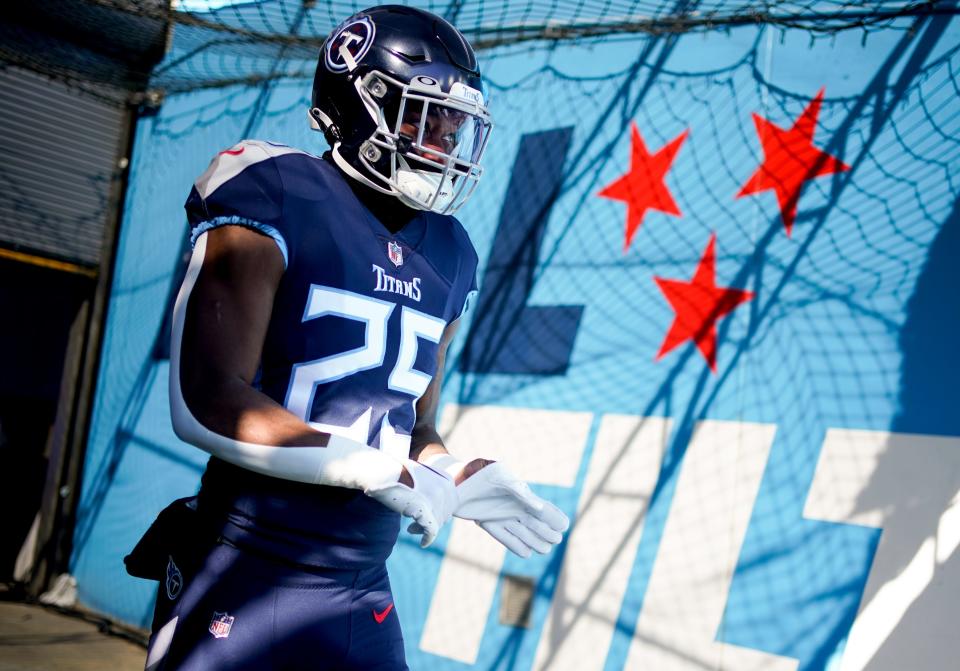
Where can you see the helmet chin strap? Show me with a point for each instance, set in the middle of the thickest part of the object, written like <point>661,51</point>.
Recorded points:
<point>345,165</point>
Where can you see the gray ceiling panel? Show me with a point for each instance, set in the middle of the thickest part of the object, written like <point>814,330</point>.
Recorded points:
<point>59,168</point>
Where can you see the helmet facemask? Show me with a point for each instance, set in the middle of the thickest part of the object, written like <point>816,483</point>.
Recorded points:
<point>427,144</point>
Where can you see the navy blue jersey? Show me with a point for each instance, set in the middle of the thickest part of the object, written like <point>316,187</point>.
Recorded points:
<point>352,341</point>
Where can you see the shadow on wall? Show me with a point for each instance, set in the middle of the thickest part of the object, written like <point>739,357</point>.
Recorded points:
<point>921,563</point>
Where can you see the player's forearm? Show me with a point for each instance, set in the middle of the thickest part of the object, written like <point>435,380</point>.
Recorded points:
<point>232,408</point>
<point>425,442</point>
<point>291,450</point>
<point>214,383</point>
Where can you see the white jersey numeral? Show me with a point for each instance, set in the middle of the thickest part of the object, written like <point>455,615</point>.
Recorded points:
<point>374,314</point>
<point>413,326</point>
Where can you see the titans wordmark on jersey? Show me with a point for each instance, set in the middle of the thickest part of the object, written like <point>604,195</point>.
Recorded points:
<point>352,342</point>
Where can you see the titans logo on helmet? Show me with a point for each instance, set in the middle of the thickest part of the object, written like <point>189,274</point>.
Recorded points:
<point>349,44</point>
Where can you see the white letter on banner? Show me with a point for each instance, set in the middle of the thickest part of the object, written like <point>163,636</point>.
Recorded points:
<point>683,606</point>
<point>539,446</point>
<point>603,545</point>
<point>908,485</point>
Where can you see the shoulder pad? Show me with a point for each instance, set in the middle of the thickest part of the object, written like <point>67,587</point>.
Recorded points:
<point>231,162</point>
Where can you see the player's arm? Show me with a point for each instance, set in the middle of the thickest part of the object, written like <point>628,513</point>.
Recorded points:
<point>487,493</point>
<point>219,326</point>
<point>426,446</point>
<point>226,321</point>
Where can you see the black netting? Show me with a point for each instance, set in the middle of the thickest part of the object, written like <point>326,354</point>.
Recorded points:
<point>109,47</point>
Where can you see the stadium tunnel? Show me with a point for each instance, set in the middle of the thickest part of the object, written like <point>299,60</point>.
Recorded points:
<point>776,491</point>
<point>72,81</point>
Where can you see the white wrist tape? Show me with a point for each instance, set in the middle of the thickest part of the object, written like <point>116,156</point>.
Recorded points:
<point>445,463</point>
<point>342,463</point>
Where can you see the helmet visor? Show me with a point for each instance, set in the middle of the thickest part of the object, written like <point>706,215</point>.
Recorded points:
<point>438,132</point>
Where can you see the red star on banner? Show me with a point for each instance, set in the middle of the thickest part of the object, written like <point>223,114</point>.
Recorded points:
<point>642,188</point>
<point>789,160</point>
<point>698,305</point>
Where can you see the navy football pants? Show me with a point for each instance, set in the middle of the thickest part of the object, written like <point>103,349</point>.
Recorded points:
<point>237,611</point>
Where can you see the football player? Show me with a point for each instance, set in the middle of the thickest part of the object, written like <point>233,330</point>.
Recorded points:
<point>307,353</point>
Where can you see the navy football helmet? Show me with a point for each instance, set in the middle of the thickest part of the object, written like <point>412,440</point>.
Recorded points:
<point>398,95</point>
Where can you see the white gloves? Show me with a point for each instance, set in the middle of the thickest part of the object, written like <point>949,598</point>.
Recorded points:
<point>505,507</point>
<point>502,504</point>
<point>430,502</point>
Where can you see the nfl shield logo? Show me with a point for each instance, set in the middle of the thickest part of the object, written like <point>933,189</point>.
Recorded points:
<point>220,625</point>
<point>395,253</point>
